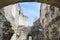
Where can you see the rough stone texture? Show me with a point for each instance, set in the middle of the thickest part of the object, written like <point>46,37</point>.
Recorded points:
<point>23,28</point>
<point>16,18</point>
<point>11,13</point>
<point>2,19</point>
<point>37,22</point>
<point>7,31</point>
<point>5,27</point>
<point>36,31</point>
<point>12,18</point>
<point>50,20</point>
<point>23,33</point>
<point>23,20</point>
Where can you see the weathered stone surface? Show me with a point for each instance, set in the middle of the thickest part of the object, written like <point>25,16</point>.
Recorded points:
<point>36,31</point>
<point>23,32</point>
<point>7,31</point>
<point>5,27</point>
<point>2,19</point>
<point>23,20</point>
<point>51,21</point>
<point>11,13</point>
<point>16,18</point>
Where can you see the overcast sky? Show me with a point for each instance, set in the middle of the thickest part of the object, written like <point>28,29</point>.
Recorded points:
<point>31,10</point>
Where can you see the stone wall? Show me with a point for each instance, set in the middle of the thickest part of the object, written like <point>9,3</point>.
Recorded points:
<point>23,28</point>
<point>36,31</point>
<point>37,22</point>
<point>23,33</point>
<point>23,20</point>
<point>11,12</point>
<point>2,19</point>
<point>49,18</point>
<point>5,27</point>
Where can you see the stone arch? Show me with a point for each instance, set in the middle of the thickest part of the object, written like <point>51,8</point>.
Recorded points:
<point>29,35</point>
<point>8,2</point>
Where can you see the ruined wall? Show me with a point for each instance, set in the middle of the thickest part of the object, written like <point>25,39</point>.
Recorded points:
<point>11,12</point>
<point>16,18</point>
<point>49,18</point>
<point>2,19</point>
<point>23,28</point>
<point>23,33</point>
<point>37,30</point>
<point>23,20</point>
<point>5,27</point>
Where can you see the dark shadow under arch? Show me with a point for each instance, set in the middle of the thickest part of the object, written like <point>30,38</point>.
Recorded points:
<point>29,36</point>
<point>50,2</point>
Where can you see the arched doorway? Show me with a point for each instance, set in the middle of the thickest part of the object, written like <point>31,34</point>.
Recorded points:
<point>29,37</point>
